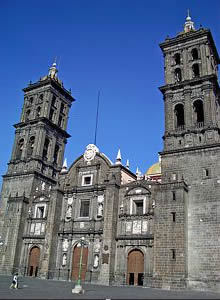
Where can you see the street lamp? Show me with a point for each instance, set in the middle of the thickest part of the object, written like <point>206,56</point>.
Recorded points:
<point>78,288</point>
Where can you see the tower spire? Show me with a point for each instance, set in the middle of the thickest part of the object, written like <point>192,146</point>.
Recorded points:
<point>189,25</point>
<point>188,15</point>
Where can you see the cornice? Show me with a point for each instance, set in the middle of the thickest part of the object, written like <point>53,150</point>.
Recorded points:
<point>51,82</point>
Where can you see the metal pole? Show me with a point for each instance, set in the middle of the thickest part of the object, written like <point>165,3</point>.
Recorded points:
<point>97,115</point>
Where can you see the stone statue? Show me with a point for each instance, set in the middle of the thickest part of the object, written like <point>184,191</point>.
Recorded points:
<point>100,201</point>
<point>69,212</point>
<point>43,186</point>
<point>100,210</point>
<point>96,261</point>
<point>64,259</point>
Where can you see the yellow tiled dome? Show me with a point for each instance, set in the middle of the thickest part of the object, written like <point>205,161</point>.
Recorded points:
<point>154,169</point>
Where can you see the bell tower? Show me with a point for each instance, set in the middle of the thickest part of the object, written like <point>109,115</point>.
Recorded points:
<point>191,152</point>
<point>33,170</point>
<point>191,93</point>
<point>40,136</point>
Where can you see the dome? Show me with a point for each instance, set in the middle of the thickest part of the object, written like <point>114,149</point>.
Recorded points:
<point>154,169</point>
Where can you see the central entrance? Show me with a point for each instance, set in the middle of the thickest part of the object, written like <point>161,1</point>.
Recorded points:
<point>135,268</point>
<point>34,259</point>
<point>75,263</point>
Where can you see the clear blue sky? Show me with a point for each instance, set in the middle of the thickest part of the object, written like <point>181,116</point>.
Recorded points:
<point>107,45</point>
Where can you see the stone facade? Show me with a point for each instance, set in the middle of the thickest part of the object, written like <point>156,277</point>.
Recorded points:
<point>136,231</point>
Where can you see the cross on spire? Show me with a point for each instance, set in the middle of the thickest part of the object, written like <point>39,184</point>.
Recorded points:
<point>189,25</point>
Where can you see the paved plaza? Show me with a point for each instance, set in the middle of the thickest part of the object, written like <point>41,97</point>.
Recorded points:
<point>30,288</point>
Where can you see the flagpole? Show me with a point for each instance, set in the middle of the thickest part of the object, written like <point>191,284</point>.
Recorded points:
<point>97,115</point>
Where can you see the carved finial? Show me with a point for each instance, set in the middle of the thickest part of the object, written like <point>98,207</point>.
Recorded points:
<point>138,174</point>
<point>118,158</point>
<point>159,158</point>
<point>127,164</point>
<point>64,167</point>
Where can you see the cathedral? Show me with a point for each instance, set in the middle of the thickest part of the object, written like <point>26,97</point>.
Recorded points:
<point>97,219</point>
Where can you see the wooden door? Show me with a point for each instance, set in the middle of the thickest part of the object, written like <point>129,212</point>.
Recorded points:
<point>34,259</point>
<point>135,268</point>
<point>76,260</point>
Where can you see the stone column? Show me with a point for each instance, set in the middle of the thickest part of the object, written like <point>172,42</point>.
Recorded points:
<point>187,107</point>
<point>109,233</point>
<point>207,105</point>
<point>168,112</point>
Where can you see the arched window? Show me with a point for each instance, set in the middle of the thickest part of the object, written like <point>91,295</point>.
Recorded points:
<point>27,114</point>
<point>177,58</point>
<point>53,103</point>
<point>51,114</point>
<point>198,112</point>
<point>62,108</point>
<point>20,147</point>
<point>30,146</point>
<point>31,99</point>
<point>45,149</point>
<point>179,116</point>
<point>178,75</point>
<point>38,112</point>
<point>195,69</point>
<point>60,121</point>
<point>56,152</point>
<point>194,53</point>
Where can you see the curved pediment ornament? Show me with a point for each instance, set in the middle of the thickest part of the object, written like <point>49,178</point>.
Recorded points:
<point>90,153</point>
<point>138,189</point>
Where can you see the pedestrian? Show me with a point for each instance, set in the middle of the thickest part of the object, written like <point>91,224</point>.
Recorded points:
<point>14,284</point>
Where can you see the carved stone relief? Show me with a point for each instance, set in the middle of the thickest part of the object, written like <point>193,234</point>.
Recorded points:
<point>65,245</point>
<point>90,153</point>
<point>128,226</point>
<point>144,226</point>
<point>136,227</point>
<point>97,246</point>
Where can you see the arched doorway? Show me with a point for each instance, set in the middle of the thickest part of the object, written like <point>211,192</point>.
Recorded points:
<point>135,268</point>
<point>34,259</point>
<point>76,261</point>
